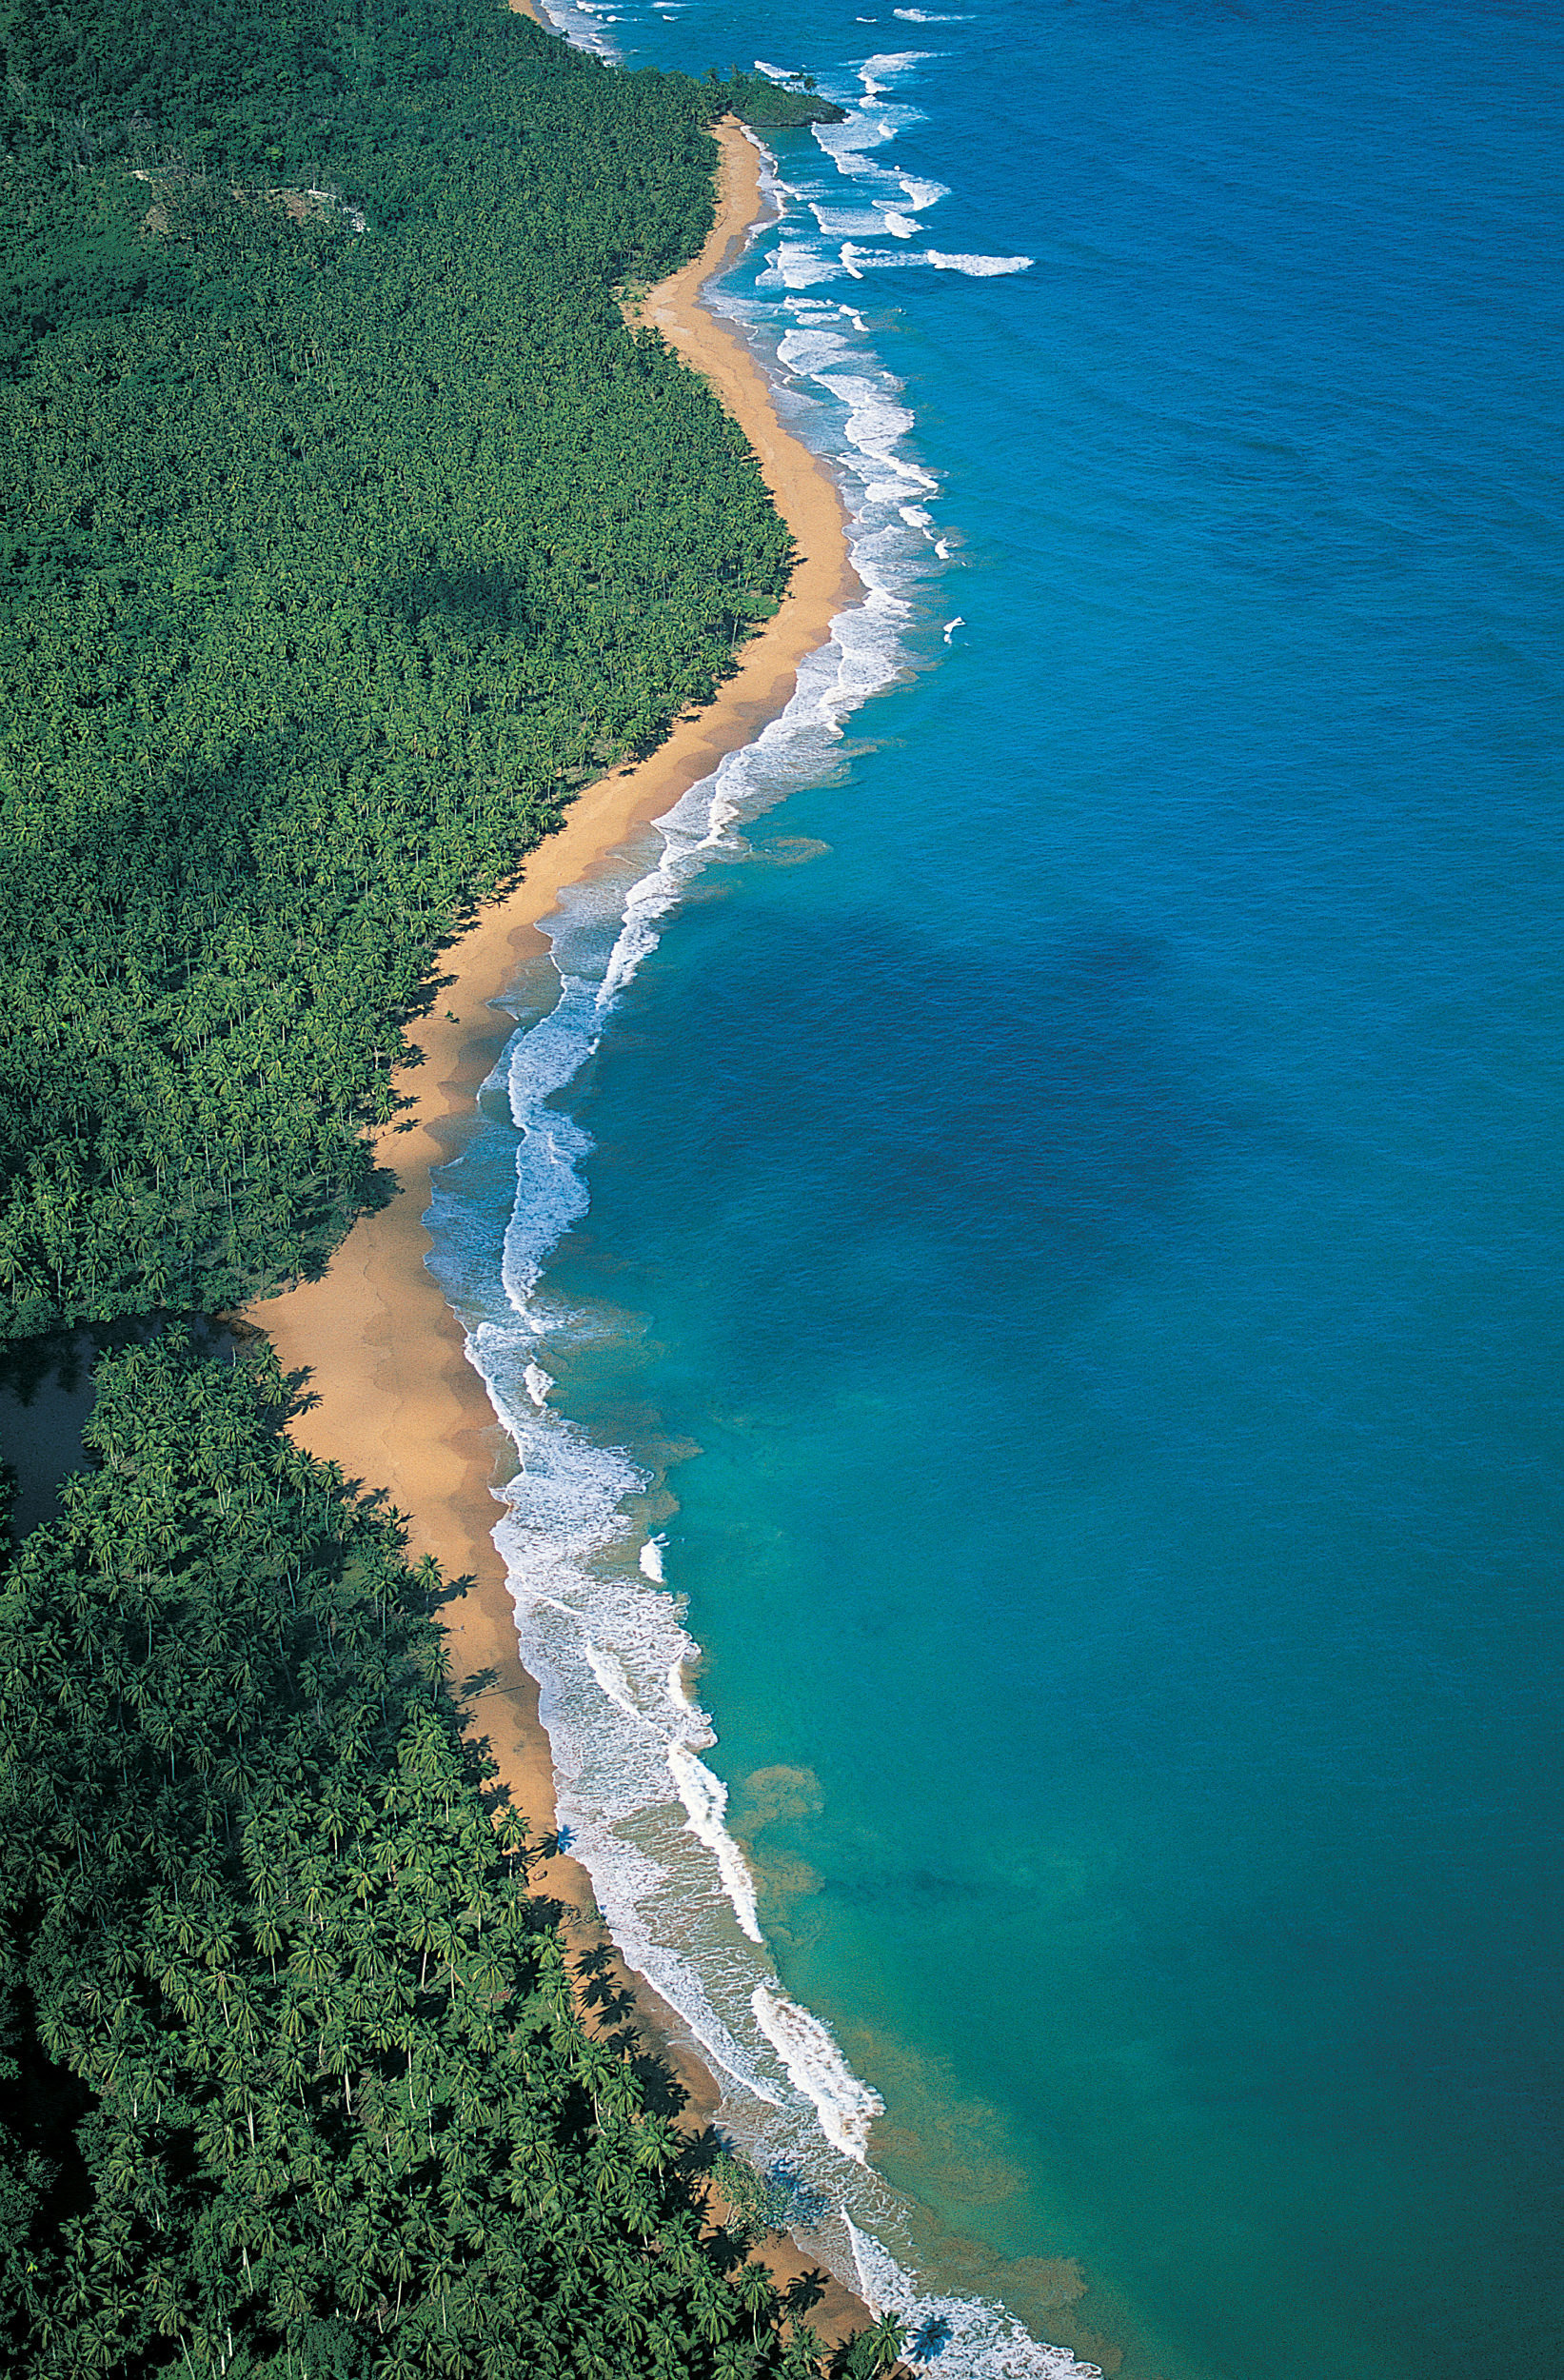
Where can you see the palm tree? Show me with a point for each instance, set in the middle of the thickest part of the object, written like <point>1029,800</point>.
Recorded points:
<point>757,2294</point>
<point>883,2342</point>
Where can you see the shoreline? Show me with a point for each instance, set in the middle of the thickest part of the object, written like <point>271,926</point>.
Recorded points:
<point>397,1405</point>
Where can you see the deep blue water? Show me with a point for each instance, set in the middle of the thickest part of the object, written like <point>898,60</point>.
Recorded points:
<point>1092,1206</point>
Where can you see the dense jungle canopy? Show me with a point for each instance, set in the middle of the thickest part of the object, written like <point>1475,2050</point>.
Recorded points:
<point>346,529</point>
<point>296,2082</point>
<point>757,101</point>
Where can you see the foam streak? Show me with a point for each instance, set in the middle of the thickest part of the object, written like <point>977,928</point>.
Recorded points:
<point>596,1624</point>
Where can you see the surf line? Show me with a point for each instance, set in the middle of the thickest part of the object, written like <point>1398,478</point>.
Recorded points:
<point>673,1885</point>
<point>397,1404</point>
<point>400,1404</point>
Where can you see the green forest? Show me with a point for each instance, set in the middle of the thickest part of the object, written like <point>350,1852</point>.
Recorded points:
<point>755,100</point>
<point>343,536</point>
<point>296,2080</point>
<point>346,530</point>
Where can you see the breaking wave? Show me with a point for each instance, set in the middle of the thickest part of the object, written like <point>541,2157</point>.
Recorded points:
<point>597,1622</point>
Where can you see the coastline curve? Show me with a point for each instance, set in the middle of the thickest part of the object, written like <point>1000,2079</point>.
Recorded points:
<point>394,1400</point>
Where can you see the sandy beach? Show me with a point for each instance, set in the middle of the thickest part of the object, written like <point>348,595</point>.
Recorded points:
<point>397,1404</point>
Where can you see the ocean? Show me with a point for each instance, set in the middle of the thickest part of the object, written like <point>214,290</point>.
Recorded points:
<point>1017,1238</point>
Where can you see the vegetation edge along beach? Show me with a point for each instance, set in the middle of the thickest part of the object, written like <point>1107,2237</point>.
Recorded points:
<point>393,1399</point>
<point>303,321</point>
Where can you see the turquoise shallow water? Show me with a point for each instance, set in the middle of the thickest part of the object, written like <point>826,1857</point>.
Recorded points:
<point>1081,1175</point>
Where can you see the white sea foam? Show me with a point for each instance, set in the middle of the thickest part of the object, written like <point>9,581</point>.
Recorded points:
<point>597,1626</point>
<point>801,264</point>
<point>884,259</point>
<point>876,73</point>
<point>980,267</point>
<point>651,1560</point>
<point>705,1798</point>
<point>815,2066</point>
<point>611,1675</point>
<point>580,22</point>
<point>861,261</point>
<point>957,2336</point>
<point>810,347</point>
<point>951,626</point>
<point>875,426</point>
<point>848,222</point>
<point>919,194</point>
<point>844,142</point>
